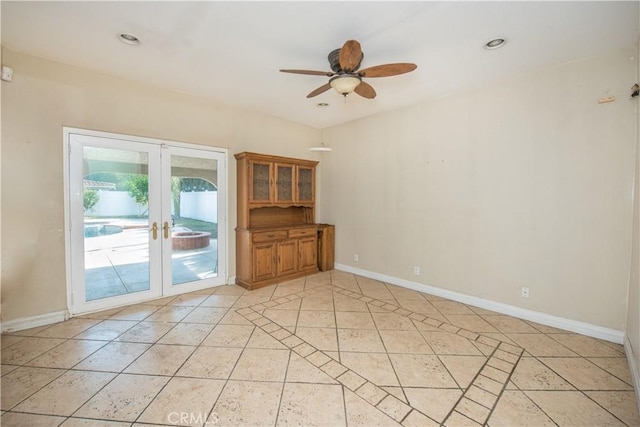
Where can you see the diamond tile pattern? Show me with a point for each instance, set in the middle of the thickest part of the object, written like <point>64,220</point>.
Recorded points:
<point>332,349</point>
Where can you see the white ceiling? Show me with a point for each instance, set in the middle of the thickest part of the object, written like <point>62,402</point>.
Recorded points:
<point>231,51</point>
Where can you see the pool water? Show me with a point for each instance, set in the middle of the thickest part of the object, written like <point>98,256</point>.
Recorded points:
<point>96,230</point>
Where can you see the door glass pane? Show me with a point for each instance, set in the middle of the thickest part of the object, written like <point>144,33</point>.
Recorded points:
<point>260,181</point>
<point>194,216</point>
<point>305,184</point>
<point>285,183</point>
<point>116,222</point>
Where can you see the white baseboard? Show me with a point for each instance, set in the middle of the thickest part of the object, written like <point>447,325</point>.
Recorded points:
<point>34,321</point>
<point>582,328</point>
<point>633,367</point>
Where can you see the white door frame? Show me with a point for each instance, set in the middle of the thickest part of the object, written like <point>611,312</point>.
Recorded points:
<point>221,185</point>
<point>72,190</point>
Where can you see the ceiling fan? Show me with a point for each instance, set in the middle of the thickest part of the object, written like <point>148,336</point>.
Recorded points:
<point>345,77</point>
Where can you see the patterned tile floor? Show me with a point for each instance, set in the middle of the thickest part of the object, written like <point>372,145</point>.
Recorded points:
<point>331,349</point>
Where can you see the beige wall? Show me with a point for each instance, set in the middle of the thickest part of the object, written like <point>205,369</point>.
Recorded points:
<point>633,306</point>
<point>524,182</point>
<point>45,96</point>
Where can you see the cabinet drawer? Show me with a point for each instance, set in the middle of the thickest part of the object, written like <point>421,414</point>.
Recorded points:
<point>303,232</point>
<point>267,236</point>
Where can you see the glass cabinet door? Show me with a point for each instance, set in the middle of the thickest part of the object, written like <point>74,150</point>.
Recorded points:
<point>260,190</point>
<point>305,184</point>
<point>284,183</point>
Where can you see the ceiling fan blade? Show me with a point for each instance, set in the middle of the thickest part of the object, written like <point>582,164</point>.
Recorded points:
<point>350,56</point>
<point>310,72</point>
<point>365,90</point>
<point>387,70</point>
<point>325,87</point>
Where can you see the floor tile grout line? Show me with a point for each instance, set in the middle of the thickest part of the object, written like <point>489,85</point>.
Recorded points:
<point>226,381</point>
<point>335,319</point>
<point>581,390</point>
<point>106,342</point>
<point>478,375</point>
<point>533,402</point>
<point>440,326</point>
<point>25,364</point>
<point>542,360</point>
<point>320,351</point>
<point>573,351</point>
<point>465,416</point>
<point>312,352</point>
<point>192,310</point>
<point>598,404</point>
<point>510,374</point>
<point>395,373</point>
<point>344,403</point>
<point>39,389</point>
<point>40,354</point>
<point>95,394</point>
<point>284,381</point>
<point>348,293</point>
<point>122,372</point>
<point>524,392</point>
<point>150,401</point>
<point>395,310</point>
<point>460,386</point>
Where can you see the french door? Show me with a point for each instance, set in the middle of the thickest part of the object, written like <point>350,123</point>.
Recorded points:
<point>145,219</point>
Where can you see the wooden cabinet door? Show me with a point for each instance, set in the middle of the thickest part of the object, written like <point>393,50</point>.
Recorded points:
<point>284,183</point>
<point>305,179</point>
<point>287,257</point>
<point>261,182</point>
<point>264,261</point>
<point>308,253</point>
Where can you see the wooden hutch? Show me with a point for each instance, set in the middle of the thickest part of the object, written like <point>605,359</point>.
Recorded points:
<point>276,233</point>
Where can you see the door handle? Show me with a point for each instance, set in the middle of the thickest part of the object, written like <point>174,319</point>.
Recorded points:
<point>154,229</point>
<point>165,227</point>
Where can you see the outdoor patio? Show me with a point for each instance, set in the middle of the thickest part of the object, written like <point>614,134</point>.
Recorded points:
<point>118,264</point>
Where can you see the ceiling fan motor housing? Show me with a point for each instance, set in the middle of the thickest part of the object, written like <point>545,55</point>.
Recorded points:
<point>334,61</point>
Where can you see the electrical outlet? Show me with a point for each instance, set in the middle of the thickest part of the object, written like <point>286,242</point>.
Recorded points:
<point>7,73</point>
<point>524,292</point>
<point>355,257</point>
<point>416,271</point>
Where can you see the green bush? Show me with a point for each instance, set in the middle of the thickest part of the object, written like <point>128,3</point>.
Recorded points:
<point>90,199</point>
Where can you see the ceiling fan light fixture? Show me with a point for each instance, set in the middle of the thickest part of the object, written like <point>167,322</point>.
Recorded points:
<point>345,84</point>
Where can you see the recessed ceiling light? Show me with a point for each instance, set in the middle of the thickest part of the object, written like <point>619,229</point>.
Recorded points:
<point>322,105</point>
<point>495,44</point>
<point>129,39</point>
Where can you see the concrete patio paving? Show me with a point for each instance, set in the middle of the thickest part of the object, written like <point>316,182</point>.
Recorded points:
<point>118,264</point>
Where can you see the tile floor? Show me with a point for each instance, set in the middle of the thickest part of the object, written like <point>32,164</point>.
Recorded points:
<point>331,349</point>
